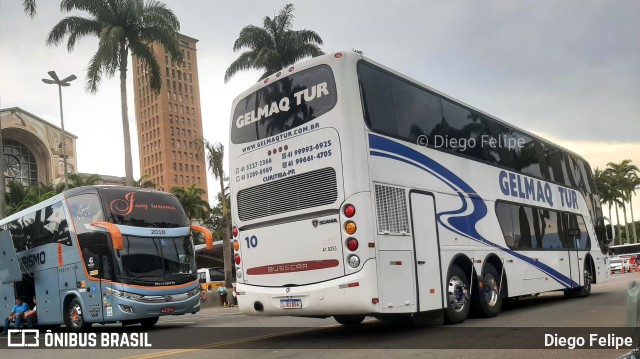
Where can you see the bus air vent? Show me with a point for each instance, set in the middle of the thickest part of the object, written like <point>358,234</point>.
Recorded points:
<point>391,210</point>
<point>306,190</point>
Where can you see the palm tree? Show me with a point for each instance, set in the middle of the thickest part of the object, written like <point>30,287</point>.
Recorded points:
<point>633,183</point>
<point>29,7</point>
<point>215,159</point>
<point>621,173</point>
<point>274,45</point>
<point>75,180</point>
<point>191,200</point>
<point>122,26</point>
<point>144,182</point>
<point>15,197</point>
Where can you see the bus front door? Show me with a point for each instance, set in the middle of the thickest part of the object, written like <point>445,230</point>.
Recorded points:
<point>427,252</point>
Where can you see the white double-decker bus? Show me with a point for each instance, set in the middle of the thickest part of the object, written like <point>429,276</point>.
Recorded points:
<point>359,191</point>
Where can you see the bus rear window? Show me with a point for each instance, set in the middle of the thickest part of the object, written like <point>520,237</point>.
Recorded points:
<point>143,208</point>
<point>284,104</point>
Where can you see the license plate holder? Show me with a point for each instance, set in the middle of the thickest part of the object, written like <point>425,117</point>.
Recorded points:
<point>290,303</point>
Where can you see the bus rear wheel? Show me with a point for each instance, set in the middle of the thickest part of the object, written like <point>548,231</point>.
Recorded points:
<point>488,296</point>
<point>74,317</point>
<point>349,320</point>
<point>148,323</point>
<point>458,303</point>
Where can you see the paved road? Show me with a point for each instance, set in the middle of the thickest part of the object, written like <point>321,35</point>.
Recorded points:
<point>226,333</point>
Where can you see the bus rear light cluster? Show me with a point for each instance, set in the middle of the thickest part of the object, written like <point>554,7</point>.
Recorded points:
<point>350,227</point>
<point>237,259</point>
<point>354,261</point>
<point>352,244</point>
<point>235,232</point>
<point>349,211</point>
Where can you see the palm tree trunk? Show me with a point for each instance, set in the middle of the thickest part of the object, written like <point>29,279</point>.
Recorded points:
<point>626,223</point>
<point>619,235</point>
<point>128,166</point>
<point>633,221</point>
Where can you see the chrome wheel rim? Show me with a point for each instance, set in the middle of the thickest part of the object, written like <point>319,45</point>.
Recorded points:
<point>75,315</point>
<point>457,294</point>
<point>490,289</point>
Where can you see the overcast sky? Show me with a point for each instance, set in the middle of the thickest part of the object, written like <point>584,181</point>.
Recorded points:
<point>566,70</point>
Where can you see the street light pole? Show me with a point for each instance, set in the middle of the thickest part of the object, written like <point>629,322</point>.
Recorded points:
<point>64,82</point>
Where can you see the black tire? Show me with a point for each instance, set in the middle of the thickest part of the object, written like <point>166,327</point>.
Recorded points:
<point>487,296</point>
<point>148,323</point>
<point>349,320</point>
<point>74,318</point>
<point>458,303</point>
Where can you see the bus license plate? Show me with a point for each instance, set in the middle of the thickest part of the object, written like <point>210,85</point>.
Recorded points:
<point>166,310</point>
<point>290,303</point>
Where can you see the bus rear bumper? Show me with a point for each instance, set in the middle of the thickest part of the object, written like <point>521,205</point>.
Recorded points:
<point>352,294</point>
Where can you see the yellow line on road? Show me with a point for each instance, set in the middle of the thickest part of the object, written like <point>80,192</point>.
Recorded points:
<point>225,343</point>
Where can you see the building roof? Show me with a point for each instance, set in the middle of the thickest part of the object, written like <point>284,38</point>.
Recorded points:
<point>14,110</point>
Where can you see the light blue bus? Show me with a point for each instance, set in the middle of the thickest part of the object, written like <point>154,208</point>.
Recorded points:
<point>101,254</point>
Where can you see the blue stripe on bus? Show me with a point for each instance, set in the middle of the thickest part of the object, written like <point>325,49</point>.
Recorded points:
<point>455,222</point>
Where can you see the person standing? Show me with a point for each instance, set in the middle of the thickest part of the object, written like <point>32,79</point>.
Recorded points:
<point>222,290</point>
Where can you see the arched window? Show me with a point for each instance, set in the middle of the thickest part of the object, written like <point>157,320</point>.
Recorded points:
<point>20,164</point>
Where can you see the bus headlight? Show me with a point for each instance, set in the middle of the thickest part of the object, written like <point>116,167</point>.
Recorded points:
<point>354,261</point>
<point>195,291</point>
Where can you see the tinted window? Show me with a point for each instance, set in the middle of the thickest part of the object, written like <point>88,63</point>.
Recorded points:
<point>284,104</point>
<point>525,227</point>
<point>95,247</point>
<point>401,109</point>
<point>396,107</point>
<point>143,208</point>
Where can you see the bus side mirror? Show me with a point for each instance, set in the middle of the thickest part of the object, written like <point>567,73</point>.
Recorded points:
<point>608,228</point>
<point>114,232</point>
<point>208,237</point>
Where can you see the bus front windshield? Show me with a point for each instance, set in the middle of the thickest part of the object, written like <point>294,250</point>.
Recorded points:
<point>157,259</point>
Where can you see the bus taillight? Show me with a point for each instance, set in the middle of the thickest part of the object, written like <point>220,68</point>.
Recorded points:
<point>352,244</point>
<point>235,232</point>
<point>349,211</point>
<point>236,245</point>
<point>237,259</point>
<point>350,228</point>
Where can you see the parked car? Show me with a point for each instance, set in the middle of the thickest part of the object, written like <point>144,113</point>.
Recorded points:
<point>616,264</point>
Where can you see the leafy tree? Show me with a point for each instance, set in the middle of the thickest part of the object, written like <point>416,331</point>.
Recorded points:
<point>144,182</point>
<point>122,27</point>
<point>191,200</point>
<point>274,45</point>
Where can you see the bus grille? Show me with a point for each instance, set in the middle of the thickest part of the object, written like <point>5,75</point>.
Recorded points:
<point>306,190</point>
<point>391,209</point>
